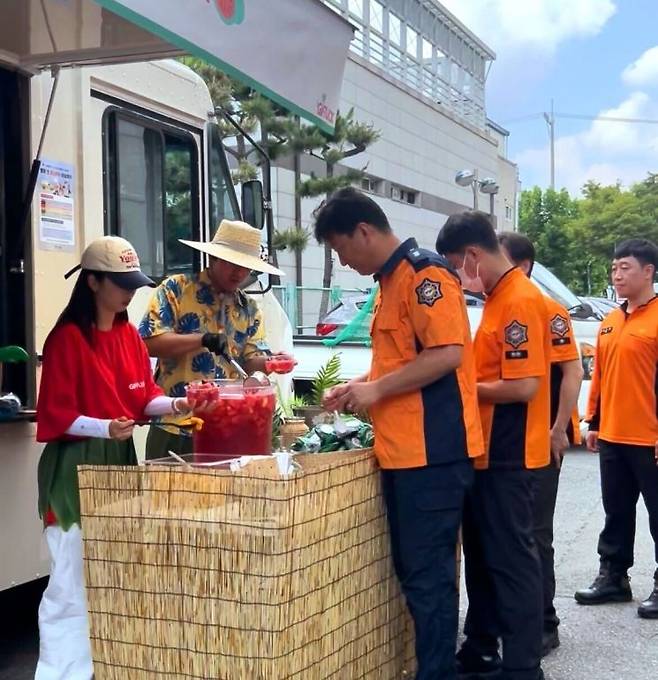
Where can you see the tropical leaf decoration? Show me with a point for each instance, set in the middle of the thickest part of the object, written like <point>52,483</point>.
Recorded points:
<point>327,376</point>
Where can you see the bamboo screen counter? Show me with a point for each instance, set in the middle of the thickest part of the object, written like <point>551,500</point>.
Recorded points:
<point>218,575</point>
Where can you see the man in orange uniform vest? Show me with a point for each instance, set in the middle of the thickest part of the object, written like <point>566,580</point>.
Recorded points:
<point>566,377</point>
<point>421,395</point>
<point>512,358</point>
<point>623,422</point>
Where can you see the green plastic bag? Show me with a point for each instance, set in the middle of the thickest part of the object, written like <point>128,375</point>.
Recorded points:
<point>358,329</point>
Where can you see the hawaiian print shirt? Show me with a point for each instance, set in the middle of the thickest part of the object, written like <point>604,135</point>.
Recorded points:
<point>187,303</point>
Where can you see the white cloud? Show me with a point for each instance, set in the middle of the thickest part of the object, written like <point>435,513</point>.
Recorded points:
<point>643,71</point>
<point>542,24</point>
<point>606,151</point>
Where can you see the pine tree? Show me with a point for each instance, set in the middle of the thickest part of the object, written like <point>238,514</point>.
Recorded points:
<point>349,138</point>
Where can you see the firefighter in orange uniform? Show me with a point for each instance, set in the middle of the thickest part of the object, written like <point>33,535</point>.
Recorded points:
<point>512,358</point>
<point>623,422</point>
<point>420,392</point>
<point>566,377</point>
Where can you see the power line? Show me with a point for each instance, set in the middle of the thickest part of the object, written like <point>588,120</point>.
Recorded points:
<point>582,116</point>
<point>612,119</point>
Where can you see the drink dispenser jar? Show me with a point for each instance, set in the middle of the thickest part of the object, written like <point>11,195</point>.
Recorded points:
<point>237,422</point>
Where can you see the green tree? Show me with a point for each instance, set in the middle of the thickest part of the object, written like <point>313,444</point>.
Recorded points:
<point>576,238</point>
<point>543,217</point>
<point>349,139</point>
<point>295,239</point>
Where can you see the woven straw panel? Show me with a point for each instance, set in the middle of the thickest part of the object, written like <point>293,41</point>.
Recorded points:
<point>243,576</point>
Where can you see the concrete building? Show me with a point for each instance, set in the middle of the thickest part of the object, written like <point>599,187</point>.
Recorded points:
<point>418,75</point>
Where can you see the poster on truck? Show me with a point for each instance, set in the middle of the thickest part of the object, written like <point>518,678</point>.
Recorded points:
<point>55,188</point>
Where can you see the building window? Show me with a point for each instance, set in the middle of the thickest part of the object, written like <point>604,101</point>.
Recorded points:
<point>371,184</point>
<point>404,195</point>
<point>394,29</point>
<point>152,191</point>
<point>508,212</point>
<point>377,15</point>
<point>412,42</point>
<point>356,8</point>
<point>427,51</point>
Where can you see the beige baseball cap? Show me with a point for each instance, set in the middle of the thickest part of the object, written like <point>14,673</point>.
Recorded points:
<point>115,257</point>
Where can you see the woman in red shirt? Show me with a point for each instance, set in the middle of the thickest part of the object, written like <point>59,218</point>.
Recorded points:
<point>95,383</point>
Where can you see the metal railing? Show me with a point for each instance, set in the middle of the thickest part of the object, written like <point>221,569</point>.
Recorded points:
<point>303,304</point>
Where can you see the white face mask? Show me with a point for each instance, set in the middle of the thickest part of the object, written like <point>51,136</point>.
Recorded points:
<point>472,284</point>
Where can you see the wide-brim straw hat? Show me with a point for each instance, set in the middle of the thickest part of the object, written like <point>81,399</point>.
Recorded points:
<point>238,243</point>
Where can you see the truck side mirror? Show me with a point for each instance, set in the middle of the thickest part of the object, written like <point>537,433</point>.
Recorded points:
<point>253,211</point>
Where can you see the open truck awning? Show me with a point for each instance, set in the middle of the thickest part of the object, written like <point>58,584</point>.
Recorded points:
<point>293,51</point>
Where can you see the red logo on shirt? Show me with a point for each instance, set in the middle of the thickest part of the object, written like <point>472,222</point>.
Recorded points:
<point>137,385</point>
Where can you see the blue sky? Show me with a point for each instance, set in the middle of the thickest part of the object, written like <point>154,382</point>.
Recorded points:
<point>592,57</point>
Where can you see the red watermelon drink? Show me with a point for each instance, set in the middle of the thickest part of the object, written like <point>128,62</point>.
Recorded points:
<point>238,423</point>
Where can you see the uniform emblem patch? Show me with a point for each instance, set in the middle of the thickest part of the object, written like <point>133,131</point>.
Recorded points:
<point>516,334</point>
<point>428,292</point>
<point>559,325</point>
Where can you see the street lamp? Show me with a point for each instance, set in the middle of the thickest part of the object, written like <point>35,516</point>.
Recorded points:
<point>469,178</point>
<point>488,185</point>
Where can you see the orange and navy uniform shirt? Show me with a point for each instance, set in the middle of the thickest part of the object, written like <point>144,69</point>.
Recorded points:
<point>421,306</point>
<point>623,398</point>
<point>563,349</point>
<point>511,343</point>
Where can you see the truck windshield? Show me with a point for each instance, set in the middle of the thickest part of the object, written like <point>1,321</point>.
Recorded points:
<point>223,203</point>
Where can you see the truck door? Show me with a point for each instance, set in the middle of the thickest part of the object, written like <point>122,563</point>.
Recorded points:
<point>13,248</point>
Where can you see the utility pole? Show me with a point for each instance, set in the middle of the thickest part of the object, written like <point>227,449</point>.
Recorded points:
<point>550,122</point>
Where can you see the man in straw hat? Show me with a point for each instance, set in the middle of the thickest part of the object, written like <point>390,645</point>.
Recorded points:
<point>194,321</point>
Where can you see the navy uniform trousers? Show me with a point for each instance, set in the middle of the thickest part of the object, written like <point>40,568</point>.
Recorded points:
<point>424,507</point>
<point>503,571</point>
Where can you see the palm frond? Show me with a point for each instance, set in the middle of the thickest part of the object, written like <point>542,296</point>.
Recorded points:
<point>327,376</point>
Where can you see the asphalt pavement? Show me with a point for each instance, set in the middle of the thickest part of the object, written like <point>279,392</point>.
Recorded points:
<point>605,642</point>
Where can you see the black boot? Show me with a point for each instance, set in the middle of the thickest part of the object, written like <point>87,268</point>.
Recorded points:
<point>649,608</point>
<point>550,640</point>
<point>472,665</point>
<point>608,586</point>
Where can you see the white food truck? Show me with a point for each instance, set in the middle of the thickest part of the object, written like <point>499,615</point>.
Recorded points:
<point>98,136</point>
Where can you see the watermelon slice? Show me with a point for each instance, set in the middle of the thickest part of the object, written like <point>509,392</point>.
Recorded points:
<point>226,8</point>
<point>231,11</point>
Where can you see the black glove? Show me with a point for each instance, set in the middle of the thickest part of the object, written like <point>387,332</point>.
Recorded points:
<point>216,343</point>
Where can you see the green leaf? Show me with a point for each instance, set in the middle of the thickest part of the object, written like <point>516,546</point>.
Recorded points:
<point>327,376</point>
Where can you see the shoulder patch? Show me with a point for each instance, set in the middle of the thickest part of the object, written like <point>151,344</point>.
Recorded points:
<point>428,292</point>
<point>421,258</point>
<point>516,334</point>
<point>606,330</point>
<point>559,325</point>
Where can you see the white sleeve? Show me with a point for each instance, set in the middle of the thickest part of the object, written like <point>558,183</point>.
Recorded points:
<point>160,406</point>
<point>84,426</point>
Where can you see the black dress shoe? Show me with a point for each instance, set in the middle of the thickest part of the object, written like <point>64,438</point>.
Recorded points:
<point>649,608</point>
<point>550,640</point>
<point>608,586</point>
<point>474,666</point>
